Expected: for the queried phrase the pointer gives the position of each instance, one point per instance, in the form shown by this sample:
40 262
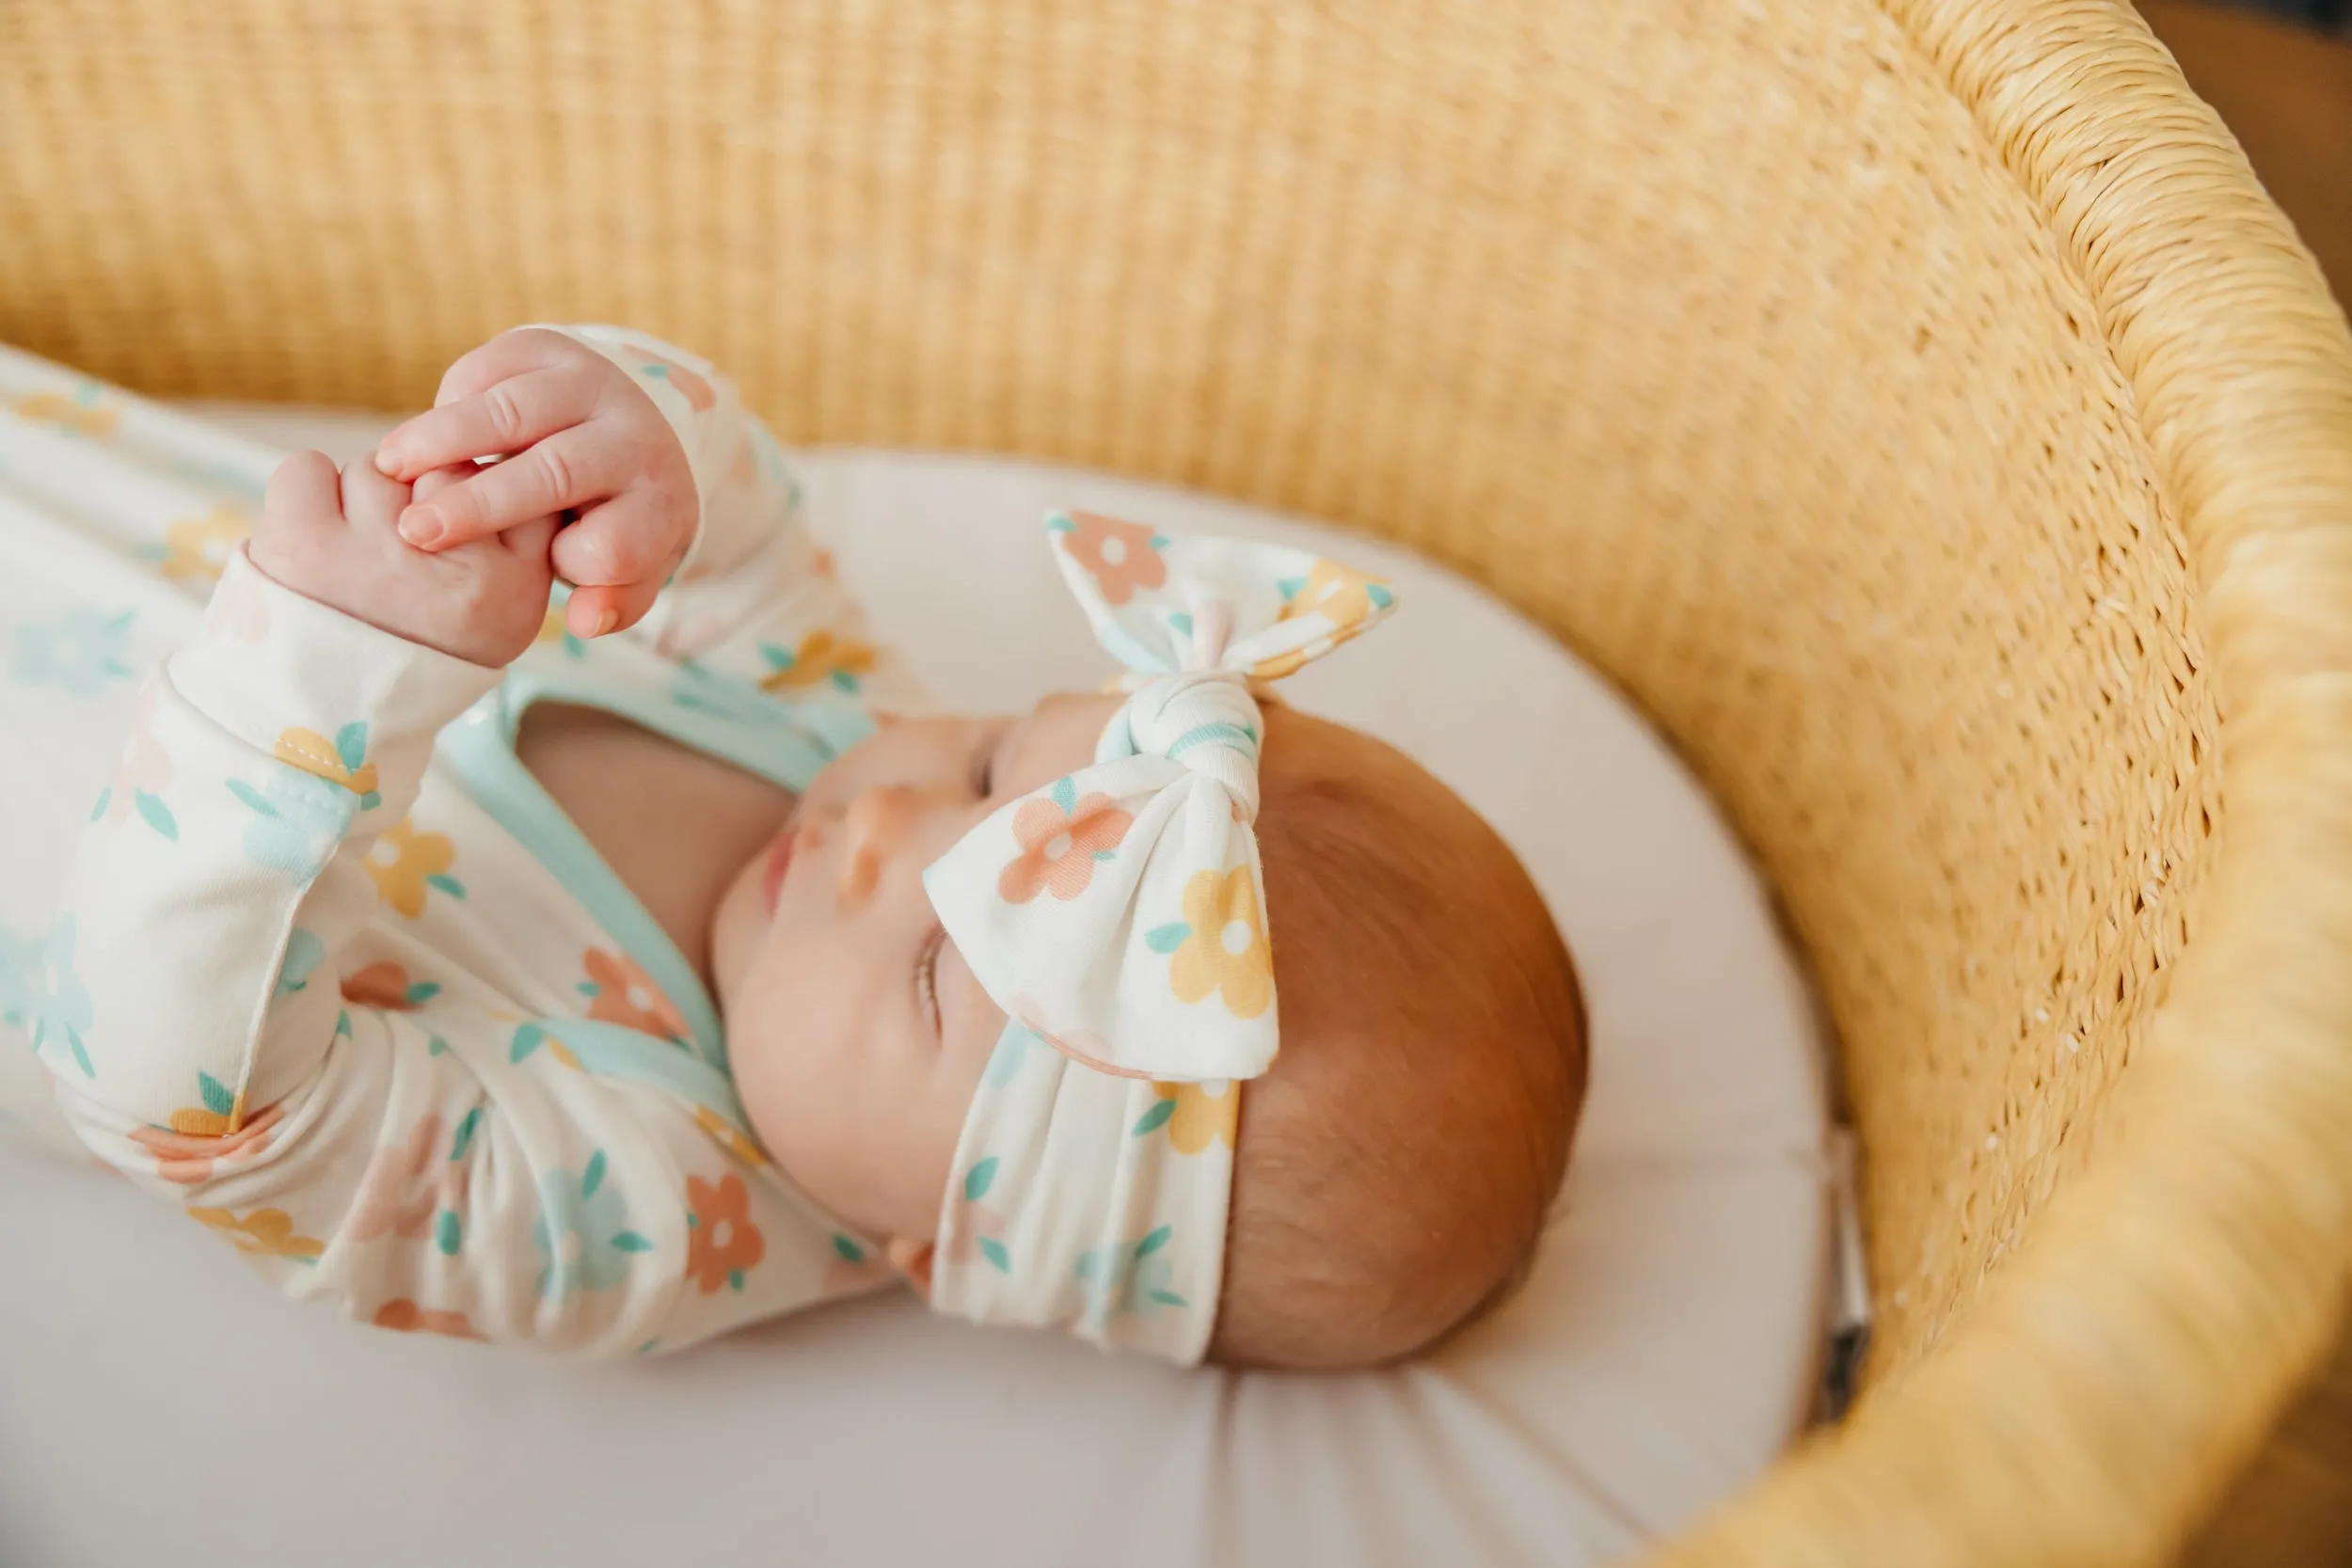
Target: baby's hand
332 538
579 435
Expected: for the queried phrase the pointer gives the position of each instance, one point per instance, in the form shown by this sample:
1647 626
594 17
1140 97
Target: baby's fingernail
420 528
606 622
384 463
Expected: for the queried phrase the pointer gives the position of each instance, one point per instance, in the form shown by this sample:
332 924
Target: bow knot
1204 721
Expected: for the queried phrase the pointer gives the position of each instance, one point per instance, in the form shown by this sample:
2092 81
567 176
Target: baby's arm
233 1022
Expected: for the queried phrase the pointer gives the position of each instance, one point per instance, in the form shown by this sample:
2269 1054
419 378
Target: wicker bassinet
1916 405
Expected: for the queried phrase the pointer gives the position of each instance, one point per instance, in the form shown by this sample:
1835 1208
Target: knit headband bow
1118 917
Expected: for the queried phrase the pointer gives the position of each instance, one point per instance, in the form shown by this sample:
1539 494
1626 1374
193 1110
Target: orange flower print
189 1158
197 550
821 657
657 367
77 416
405 1316
721 1242
1194 1117
263 1234
620 992
408 1184
405 861
339 761
1062 836
1220 944
1121 557
386 986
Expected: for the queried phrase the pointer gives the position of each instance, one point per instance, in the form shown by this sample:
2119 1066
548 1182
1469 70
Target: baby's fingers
570 469
506 417
305 488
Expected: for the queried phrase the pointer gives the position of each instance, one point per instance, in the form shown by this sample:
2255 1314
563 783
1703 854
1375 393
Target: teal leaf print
1161 540
298 818
1154 1118
343 1023
435 1046
848 1250
304 954
251 796
1065 795
584 1235
528 1039
351 744
1158 1240
447 1233
994 1250
214 1094
1381 598
1059 523
735 1280
157 815
1166 938
79 655
105 798
1167 1298
1181 622
1012 1049
447 883
593 1178
56 1008
422 993
1289 586
977 1180
465 1129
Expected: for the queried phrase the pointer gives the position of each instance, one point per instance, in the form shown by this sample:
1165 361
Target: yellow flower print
1340 594
821 657
197 548
1220 944
405 861
1195 1117
727 1137
263 1234
95 421
1345 598
337 761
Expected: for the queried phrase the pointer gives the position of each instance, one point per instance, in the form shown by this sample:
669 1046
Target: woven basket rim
2129 1357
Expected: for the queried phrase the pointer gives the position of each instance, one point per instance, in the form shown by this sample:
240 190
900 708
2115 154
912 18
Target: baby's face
855 1031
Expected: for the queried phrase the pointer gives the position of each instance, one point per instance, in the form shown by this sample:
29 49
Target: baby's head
1392 1168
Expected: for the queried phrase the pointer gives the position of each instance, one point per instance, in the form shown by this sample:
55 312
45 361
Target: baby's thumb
305 489
434 481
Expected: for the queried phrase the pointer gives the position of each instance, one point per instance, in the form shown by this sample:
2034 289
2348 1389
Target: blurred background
2280 72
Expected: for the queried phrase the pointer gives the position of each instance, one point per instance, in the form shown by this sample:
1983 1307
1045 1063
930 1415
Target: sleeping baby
608 973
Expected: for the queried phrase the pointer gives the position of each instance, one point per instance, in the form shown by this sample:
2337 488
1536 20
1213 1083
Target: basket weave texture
1916 405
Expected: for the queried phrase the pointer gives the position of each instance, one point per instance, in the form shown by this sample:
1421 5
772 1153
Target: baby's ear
912 1259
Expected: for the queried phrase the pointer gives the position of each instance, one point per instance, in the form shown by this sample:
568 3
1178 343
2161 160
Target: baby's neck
675 824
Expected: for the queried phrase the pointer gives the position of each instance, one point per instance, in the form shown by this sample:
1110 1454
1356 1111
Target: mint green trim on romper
786 743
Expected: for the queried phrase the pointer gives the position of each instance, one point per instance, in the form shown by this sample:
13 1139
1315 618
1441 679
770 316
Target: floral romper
312 956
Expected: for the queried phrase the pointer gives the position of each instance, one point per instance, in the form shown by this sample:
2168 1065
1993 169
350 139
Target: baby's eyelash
984 768
927 972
